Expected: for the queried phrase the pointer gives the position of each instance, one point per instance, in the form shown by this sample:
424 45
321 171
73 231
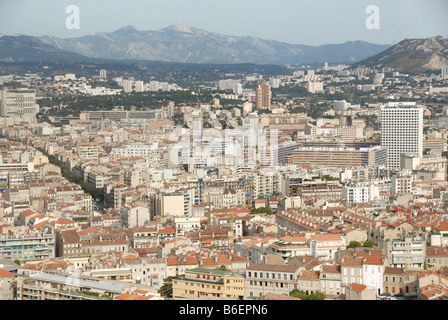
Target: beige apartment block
262 279
200 283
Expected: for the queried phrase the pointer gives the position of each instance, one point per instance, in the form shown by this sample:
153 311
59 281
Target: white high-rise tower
444 72
401 131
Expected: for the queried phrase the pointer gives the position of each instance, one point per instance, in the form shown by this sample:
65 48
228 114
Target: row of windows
270 275
268 284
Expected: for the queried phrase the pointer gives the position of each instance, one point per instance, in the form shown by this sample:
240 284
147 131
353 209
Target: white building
18 102
401 184
134 216
340 105
137 149
186 224
315 86
373 273
444 72
355 194
128 85
139 86
401 131
231 84
275 82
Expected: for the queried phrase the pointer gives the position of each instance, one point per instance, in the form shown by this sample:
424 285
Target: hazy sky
311 22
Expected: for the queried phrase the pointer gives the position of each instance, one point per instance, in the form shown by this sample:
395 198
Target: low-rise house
357 291
7 285
330 280
309 281
180 264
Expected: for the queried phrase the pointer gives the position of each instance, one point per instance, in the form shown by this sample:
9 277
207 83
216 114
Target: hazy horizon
295 22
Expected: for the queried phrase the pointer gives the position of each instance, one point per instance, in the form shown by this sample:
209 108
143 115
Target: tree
17 261
265 210
353 244
296 293
368 244
167 289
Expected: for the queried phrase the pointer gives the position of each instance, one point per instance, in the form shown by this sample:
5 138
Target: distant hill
16 48
412 55
182 43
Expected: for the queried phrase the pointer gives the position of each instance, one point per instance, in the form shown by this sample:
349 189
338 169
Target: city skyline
295 22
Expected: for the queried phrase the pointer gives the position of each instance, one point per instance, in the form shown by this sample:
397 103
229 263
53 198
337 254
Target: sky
309 22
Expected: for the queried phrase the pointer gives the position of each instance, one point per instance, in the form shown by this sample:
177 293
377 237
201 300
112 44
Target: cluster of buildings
232 204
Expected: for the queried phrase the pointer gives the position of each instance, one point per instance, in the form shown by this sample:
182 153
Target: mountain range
179 43
17 48
182 43
412 55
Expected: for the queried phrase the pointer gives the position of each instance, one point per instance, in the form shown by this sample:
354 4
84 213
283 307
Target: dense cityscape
307 181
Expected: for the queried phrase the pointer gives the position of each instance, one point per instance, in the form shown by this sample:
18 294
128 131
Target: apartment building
72 286
18 102
351 272
338 157
261 279
263 95
326 246
201 283
356 194
436 257
402 184
288 247
87 151
28 246
309 281
331 280
147 271
408 250
315 86
267 184
144 237
134 216
400 280
179 265
401 131
287 123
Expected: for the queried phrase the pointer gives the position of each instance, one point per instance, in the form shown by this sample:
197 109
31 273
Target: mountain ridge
182 43
412 55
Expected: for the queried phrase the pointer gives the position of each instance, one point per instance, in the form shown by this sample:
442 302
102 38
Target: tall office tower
263 95
18 102
445 72
103 74
401 131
